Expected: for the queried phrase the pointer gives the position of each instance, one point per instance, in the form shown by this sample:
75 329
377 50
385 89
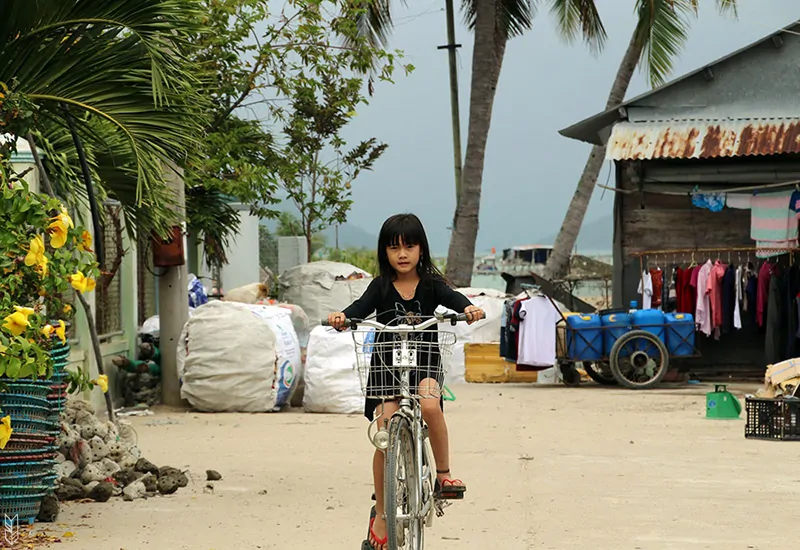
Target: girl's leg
383 413
437 427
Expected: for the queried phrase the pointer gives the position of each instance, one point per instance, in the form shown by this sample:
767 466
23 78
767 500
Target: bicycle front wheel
404 521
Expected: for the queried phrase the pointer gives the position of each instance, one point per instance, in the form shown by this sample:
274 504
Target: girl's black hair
409 229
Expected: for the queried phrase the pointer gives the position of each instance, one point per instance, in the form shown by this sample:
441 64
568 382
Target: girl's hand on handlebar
474 313
337 320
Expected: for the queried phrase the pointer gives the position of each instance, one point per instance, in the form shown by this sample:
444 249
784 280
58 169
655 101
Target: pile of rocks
100 460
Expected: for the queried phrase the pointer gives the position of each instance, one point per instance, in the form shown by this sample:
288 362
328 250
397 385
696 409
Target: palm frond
122 62
514 17
579 19
729 7
662 29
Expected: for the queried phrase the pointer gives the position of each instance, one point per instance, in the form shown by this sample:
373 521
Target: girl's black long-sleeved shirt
382 296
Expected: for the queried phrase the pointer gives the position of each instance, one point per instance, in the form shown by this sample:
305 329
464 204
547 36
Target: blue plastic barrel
615 325
584 338
651 320
680 334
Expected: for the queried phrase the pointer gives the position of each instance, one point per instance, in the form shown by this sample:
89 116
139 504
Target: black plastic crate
775 419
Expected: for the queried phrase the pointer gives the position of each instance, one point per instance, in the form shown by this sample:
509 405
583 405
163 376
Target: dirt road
550 468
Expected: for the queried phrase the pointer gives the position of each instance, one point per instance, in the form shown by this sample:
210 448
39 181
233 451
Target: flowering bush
44 256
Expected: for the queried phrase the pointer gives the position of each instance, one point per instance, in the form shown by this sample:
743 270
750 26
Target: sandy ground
550 468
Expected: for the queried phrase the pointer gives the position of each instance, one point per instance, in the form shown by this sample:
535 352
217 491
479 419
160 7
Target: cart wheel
639 360
570 376
600 372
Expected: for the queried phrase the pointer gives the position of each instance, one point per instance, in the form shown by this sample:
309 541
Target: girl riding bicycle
411 286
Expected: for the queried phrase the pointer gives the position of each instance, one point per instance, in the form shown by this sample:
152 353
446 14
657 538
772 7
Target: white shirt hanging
537 336
646 290
737 315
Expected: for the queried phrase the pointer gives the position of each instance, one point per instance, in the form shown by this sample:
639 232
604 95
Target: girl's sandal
449 489
367 544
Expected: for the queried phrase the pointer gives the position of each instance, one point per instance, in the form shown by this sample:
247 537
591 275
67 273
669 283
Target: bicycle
409 496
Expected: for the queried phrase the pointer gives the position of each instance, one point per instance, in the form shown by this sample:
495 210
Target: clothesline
703 191
710 250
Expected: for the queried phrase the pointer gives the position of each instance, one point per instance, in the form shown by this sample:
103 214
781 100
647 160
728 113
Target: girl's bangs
405 230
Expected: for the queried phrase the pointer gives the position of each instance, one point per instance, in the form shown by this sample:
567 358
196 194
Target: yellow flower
102 381
35 254
78 281
58 234
67 309
17 322
61 332
59 228
5 431
85 244
42 268
48 330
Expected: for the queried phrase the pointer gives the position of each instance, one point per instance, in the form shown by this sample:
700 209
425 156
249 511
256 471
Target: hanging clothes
764 277
741 201
657 281
775 338
505 318
750 291
714 289
537 338
729 301
739 297
793 289
703 318
646 290
686 293
772 223
512 334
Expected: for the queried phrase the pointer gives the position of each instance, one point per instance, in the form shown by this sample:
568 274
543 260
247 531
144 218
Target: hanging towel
773 224
741 201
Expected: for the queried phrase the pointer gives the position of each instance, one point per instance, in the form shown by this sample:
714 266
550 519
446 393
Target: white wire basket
380 362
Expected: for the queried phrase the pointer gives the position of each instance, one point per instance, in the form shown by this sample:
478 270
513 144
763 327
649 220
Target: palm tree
661 31
494 22
121 69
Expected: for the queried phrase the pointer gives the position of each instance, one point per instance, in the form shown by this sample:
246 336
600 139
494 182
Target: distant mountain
350 236
595 236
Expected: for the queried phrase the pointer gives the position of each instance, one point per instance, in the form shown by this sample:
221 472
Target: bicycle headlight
381 440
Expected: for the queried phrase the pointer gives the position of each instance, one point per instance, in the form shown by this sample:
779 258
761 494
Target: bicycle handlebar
436 319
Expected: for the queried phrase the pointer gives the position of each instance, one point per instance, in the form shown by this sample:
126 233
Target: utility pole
451 48
173 303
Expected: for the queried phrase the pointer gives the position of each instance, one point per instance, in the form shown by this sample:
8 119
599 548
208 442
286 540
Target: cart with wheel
635 356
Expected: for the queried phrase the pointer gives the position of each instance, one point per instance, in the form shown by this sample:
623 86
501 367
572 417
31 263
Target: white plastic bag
484 331
287 350
230 360
332 383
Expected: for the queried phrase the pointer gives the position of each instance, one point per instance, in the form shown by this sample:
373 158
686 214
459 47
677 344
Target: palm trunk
558 263
487 60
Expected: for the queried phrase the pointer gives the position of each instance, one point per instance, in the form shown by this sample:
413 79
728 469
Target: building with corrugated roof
733 124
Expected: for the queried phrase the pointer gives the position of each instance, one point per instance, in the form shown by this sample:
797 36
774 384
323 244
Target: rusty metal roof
702 139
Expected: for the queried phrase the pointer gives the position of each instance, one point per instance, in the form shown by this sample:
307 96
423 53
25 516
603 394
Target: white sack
287 350
230 360
485 331
313 287
332 383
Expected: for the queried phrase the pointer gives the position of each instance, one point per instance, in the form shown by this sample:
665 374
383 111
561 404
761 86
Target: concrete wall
243 268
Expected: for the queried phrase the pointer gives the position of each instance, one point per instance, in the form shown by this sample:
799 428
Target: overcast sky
546 85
